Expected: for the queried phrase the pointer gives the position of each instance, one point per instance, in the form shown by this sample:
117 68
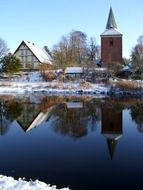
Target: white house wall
27 58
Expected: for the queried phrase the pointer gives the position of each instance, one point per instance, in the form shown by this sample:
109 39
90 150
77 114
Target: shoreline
68 88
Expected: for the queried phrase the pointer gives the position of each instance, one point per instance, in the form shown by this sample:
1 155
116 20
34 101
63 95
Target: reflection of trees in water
92 112
9 111
4 124
69 121
74 121
50 101
14 110
137 115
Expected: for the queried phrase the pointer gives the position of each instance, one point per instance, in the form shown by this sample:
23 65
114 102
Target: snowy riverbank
113 88
32 83
53 88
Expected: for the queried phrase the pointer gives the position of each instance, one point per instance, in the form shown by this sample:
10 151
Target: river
83 143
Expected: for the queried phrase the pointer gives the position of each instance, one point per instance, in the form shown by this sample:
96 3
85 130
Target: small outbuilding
74 72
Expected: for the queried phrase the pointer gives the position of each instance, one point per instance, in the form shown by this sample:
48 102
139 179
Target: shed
76 72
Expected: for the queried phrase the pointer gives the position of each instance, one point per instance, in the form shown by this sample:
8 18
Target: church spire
111 146
111 23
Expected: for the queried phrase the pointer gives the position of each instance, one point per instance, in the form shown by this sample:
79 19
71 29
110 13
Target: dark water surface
83 143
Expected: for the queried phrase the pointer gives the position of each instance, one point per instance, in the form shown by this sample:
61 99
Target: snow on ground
28 76
9 183
32 83
29 83
54 87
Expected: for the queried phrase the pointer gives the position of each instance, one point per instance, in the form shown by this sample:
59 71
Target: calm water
83 143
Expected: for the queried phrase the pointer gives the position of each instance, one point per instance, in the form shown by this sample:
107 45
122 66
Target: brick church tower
111 42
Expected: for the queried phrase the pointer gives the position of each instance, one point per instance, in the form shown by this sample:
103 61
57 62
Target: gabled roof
40 53
111 23
36 120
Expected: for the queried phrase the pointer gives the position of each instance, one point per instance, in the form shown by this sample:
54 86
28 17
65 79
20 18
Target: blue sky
44 22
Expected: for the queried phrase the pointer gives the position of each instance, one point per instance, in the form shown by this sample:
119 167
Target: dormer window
111 42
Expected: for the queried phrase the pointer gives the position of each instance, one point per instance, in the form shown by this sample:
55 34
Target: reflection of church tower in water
111 127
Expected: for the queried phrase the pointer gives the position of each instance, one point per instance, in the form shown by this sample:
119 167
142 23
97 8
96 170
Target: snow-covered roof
74 70
112 136
128 67
42 116
40 53
103 69
110 32
39 119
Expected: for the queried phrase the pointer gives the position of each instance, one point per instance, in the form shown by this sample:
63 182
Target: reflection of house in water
32 116
29 116
111 127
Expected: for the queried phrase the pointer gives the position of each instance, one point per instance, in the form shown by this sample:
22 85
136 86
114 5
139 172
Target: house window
21 52
23 59
111 42
25 52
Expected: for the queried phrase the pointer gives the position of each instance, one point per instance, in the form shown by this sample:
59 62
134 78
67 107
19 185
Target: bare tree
3 48
78 47
62 53
93 51
71 50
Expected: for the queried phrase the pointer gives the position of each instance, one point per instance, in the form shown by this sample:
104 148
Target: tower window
111 42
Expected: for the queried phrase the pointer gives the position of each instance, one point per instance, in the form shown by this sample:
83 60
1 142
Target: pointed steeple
111 146
111 23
